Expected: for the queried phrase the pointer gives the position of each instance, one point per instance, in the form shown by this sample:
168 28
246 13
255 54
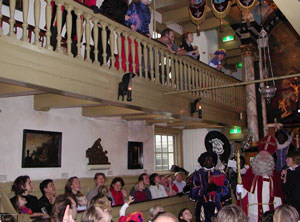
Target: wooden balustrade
147 58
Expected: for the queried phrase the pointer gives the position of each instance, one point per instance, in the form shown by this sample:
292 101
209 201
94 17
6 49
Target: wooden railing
147 58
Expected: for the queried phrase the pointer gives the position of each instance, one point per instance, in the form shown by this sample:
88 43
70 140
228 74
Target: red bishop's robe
260 194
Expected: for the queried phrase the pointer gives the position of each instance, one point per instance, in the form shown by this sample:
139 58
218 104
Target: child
82 201
185 215
20 205
138 17
134 217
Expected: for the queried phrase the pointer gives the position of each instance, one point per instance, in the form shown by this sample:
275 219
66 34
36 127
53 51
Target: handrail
149 59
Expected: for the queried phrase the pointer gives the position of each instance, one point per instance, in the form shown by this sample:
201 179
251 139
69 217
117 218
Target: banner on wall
246 6
220 8
197 12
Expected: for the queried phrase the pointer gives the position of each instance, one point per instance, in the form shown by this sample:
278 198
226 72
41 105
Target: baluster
104 42
173 72
69 29
185 75
78 33
37 15
198 80
133 54
96 36
193 79
156 63
12 7
25 17
163 65
59 24
48 24
1 32
146 60
181 74
177 73
88 38
126 42
119 49
140 57
151 62
168 69
189 83
112 46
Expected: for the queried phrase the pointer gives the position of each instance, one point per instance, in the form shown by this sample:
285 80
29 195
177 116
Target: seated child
185 215
82 201
20 205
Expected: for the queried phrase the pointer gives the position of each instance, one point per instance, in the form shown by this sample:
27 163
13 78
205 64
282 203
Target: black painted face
208 162
281 138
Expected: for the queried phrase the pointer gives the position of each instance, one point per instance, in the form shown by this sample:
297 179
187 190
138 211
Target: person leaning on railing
167 38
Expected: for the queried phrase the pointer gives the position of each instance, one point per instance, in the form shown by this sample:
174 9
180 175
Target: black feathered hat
218 143
213 155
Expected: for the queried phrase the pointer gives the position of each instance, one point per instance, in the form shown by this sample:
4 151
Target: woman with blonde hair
286 213
95 213
231 213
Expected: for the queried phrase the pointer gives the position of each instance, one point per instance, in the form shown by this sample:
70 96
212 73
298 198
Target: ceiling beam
154 121
45 102
145 117
108 111
8 90
208 24
175 16
165 3
193 124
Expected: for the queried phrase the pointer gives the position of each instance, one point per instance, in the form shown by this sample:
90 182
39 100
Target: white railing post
104 42
25 17
37 15
78 33
59 4
69 29
48 24
96 42
1 32
88 37
12 8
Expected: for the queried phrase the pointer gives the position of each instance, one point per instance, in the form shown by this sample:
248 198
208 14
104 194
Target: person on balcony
116 192
217 61
48 191
156 189
187 40
115 10
167 38
138 17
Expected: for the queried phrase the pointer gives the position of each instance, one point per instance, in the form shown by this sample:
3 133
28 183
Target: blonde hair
92 214
155 210
231 213
286 213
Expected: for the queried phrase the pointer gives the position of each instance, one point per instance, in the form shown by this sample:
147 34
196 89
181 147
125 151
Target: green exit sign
240 65
235 130
228 38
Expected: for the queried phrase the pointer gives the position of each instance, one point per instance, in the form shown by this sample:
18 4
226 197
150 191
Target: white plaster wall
193 146
78 134
207 44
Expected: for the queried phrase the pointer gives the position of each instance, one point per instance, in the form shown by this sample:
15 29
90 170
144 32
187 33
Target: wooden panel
108 111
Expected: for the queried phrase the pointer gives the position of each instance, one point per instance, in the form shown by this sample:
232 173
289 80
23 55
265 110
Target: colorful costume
282 150
209 186
261 184
140 16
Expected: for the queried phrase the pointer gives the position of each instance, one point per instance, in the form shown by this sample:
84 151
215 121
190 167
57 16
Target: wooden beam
108 111
193 124
165 3
144 117
151 122
8 90
175 16
208 24
45 102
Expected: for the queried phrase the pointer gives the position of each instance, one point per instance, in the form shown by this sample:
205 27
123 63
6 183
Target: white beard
263 164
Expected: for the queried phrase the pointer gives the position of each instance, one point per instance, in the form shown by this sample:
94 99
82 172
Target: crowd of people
137 17
263 190
101 198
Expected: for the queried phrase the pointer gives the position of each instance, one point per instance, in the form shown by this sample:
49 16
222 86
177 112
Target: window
164 152
167 150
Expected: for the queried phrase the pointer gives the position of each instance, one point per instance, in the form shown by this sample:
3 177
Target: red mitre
268 143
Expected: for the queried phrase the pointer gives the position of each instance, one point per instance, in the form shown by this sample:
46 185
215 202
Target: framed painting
41 149
135 155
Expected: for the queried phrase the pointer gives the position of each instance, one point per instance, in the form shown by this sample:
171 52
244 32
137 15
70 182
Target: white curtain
193 146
